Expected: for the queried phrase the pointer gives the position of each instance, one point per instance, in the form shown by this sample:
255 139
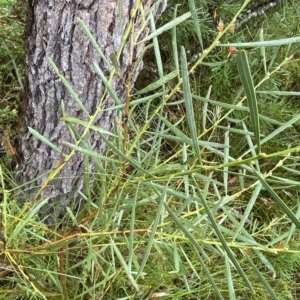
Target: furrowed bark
53 33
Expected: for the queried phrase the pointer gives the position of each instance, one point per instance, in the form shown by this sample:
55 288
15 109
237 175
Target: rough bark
54 33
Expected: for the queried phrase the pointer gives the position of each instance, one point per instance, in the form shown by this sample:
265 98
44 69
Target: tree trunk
54 33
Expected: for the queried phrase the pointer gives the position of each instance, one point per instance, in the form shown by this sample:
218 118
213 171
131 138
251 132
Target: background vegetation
202 202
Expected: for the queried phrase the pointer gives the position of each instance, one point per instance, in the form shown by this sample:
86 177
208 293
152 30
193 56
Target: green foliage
202 201
12 21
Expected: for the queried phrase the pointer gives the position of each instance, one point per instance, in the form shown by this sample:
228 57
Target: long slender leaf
229 279
166 27
248 209
279 93
252 148
84 123
157 51
123 263
197 246
226 159
277 131
236 107
69 88
121 154
93 40
293 227
278 200
189 103
193 11
263 50
205 108
221 238
157 84
30 215
131 235
153 232
107 84
245 74
174 41
261 277
43 139
264 43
